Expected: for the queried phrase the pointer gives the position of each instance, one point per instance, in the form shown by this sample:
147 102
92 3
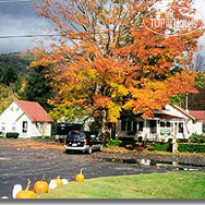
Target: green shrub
53 136
195 138
115 143
198 148
12 135
192 148
162 147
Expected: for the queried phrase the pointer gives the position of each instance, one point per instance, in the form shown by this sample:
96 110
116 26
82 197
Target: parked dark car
87 142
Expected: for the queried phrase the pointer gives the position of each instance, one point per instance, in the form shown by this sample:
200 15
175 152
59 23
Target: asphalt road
19 162
16 166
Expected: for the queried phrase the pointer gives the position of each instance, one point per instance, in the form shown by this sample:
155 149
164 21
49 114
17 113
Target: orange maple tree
106 60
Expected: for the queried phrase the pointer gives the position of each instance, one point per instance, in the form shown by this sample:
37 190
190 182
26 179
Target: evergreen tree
38 87
9 76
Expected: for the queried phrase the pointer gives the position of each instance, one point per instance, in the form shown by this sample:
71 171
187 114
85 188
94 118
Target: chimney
187 102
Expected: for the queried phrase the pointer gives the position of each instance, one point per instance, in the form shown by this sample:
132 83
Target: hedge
12 135
191 148
115 142
181 147
162 147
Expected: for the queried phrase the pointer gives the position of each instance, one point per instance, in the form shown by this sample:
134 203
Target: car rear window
78 136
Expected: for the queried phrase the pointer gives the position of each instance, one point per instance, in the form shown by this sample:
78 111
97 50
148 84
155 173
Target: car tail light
85 142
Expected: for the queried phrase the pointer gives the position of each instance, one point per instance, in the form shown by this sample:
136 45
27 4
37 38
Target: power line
31 36
69 35
51 35
15 1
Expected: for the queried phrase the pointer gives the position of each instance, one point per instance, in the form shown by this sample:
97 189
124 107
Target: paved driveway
18 164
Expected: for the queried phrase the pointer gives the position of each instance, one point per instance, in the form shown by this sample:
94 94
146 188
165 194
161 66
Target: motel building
172 119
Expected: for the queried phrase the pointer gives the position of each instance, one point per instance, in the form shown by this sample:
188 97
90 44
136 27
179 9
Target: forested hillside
17 61
18 80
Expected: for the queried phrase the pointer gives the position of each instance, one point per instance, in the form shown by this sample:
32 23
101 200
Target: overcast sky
18 18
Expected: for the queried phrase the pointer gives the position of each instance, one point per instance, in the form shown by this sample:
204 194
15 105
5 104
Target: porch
158 129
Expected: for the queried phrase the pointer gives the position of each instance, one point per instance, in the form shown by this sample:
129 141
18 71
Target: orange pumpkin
41 187
79 177
26 194
59 181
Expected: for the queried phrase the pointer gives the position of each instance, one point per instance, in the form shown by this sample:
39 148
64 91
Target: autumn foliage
106 60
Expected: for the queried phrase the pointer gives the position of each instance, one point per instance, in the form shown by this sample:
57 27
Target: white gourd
52 184
17 188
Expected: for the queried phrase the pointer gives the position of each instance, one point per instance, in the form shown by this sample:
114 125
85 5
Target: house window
3 126
203 128
141 125
180 127
12 109
13 126
25 126
153 126
37 125
162 124
168 124
123 125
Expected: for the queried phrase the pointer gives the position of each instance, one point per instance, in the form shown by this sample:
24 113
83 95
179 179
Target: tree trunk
44 130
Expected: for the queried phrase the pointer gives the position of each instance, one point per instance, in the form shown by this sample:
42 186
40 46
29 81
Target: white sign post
174 142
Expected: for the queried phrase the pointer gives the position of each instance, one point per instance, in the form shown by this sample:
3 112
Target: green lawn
175 185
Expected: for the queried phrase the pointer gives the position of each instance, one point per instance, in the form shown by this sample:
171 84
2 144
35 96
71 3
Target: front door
153 129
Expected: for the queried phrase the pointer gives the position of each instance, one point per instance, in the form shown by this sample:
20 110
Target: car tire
67 151
90 150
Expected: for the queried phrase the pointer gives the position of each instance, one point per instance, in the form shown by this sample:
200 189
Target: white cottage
161 126
26 118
